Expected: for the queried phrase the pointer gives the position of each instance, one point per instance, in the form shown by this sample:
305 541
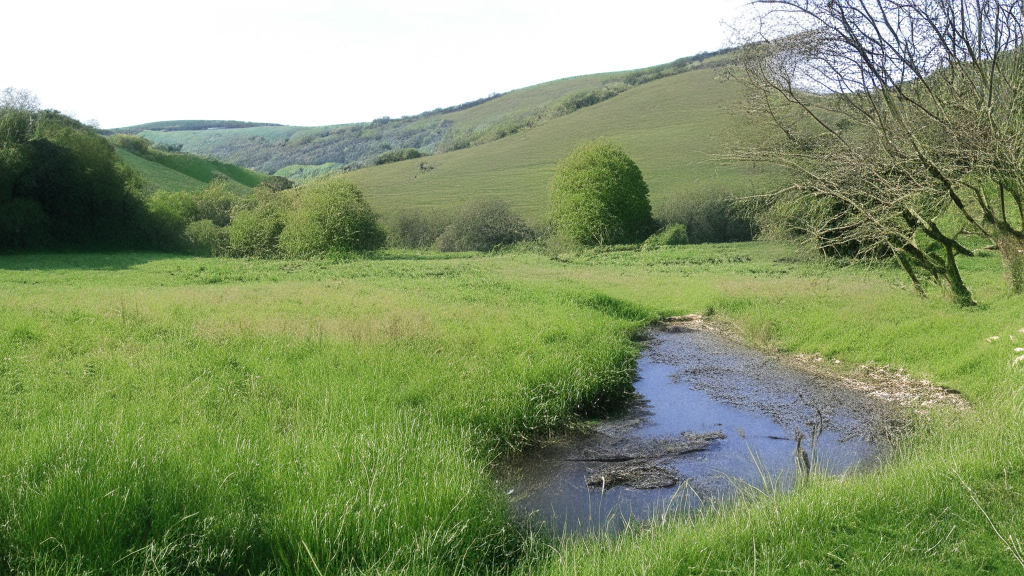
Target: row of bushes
61 185
481 225
324 216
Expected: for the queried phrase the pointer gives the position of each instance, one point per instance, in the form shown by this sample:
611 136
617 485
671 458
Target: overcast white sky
315 62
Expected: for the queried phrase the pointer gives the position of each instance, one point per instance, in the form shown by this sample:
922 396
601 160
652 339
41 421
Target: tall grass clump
330 215
598 196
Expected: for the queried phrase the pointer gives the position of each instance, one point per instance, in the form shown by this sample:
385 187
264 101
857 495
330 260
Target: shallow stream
708 416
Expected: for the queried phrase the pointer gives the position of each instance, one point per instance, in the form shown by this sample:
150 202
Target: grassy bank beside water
182 415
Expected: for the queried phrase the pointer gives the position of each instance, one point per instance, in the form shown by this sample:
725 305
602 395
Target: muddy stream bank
708 415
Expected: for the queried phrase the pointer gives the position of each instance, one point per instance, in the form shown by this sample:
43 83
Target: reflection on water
693 383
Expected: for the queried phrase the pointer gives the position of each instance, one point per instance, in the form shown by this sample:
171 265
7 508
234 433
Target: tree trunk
961 294
1012 251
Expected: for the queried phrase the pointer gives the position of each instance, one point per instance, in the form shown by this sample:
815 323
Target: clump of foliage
416 229
484 225
205 238
709 218
61 184
276 184
397 156
598 196
177 212
135 144
575 101
671 235
256 226
170 148
330 215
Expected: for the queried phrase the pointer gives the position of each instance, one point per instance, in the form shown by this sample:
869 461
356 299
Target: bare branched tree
903 123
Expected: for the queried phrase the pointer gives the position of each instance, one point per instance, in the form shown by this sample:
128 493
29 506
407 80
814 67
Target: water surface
712 414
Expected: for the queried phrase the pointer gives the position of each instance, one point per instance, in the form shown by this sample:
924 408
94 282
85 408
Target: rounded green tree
598 196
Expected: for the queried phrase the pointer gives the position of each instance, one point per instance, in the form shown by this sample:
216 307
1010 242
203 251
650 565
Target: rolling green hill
173 172
157 176
175 125
272 148
671 128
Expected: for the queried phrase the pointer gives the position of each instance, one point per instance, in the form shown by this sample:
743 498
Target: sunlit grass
181 415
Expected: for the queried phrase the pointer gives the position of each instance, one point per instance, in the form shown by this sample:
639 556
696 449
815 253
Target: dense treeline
61 185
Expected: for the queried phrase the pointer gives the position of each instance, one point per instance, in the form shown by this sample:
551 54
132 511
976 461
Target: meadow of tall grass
165 414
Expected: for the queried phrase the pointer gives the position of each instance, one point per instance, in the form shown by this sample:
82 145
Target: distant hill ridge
184 125
300 151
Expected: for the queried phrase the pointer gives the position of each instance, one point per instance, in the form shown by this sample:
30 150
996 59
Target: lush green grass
671 128
223 415
170 414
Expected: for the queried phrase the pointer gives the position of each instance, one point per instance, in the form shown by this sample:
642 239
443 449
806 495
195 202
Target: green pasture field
672 128
166 414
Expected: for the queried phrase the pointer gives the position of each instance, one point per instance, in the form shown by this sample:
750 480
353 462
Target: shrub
577 100
484 225
16 125
90 199
168 211
169 148
276 184
671 235
205 238
598 196
397 156
329 214
135 144
416 229
708 218
213 203
256 227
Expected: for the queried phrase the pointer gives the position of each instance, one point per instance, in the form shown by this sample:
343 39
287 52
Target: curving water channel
709 415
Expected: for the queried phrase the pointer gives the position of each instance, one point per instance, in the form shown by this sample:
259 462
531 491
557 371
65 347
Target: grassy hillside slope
175 172
670 127
272 148
157 176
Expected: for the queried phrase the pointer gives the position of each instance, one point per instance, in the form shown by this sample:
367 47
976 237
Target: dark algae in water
708 415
